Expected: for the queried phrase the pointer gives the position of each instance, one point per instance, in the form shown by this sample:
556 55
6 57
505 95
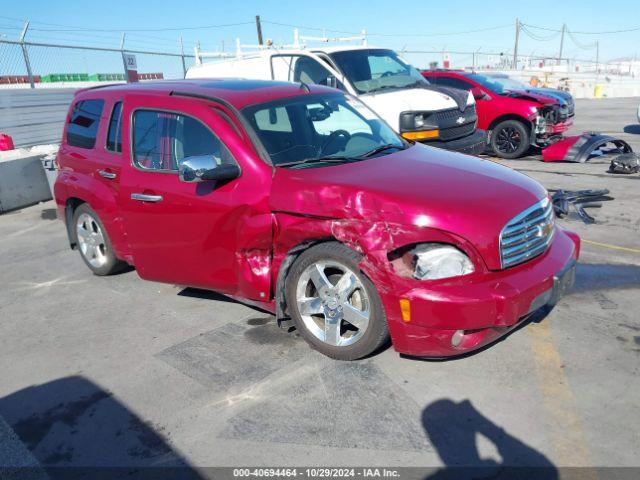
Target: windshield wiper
328 159
379 149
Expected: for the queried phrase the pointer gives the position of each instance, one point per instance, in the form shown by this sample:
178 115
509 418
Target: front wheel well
510 116
282 315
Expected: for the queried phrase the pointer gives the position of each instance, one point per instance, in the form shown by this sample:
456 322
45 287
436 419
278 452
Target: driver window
162 139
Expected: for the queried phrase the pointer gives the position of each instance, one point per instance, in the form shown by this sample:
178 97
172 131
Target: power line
370 34
603 32
67 28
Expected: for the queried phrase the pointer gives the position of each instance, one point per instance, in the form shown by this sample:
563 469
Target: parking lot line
566 428
612 247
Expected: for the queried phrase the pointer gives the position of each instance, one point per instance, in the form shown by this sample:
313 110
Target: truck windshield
372 70
498 84
320 129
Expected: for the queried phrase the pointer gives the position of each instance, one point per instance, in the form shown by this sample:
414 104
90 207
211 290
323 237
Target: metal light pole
25 54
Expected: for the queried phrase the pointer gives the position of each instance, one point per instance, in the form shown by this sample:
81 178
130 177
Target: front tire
334 306
93 242
510 139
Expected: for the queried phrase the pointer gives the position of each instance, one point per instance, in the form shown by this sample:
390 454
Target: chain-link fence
40 65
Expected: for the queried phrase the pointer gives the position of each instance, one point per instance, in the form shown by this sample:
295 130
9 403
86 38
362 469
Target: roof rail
299 43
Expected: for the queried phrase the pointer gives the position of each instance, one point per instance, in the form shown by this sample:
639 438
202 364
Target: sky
428 25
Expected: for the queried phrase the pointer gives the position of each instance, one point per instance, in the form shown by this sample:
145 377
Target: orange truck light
421 135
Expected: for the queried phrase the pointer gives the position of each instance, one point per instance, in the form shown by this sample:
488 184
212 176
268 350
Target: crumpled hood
419 187
533 97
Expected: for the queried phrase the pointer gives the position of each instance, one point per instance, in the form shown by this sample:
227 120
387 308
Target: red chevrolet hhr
300 200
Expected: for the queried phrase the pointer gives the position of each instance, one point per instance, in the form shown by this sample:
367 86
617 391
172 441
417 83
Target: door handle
105 174
142 197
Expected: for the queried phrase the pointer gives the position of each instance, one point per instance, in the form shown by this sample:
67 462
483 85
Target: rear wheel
93 242
334 306
510 139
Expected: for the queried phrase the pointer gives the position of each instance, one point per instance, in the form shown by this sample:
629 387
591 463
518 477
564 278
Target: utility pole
259 29
184 66
564 27
597 55
515 47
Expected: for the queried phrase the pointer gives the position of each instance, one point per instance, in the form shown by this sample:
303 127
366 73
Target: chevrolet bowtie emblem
460 120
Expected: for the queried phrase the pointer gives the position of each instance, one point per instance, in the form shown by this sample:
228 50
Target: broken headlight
540 124
437 260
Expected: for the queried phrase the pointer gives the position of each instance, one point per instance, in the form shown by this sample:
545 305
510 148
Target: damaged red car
515 119
298 199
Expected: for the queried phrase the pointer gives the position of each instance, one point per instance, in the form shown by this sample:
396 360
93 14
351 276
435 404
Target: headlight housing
437 260
431 261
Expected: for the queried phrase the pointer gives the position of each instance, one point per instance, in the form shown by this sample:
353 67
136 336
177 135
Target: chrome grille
527 235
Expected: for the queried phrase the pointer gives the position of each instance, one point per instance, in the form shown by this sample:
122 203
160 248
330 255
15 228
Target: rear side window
162 139
114 135
83 123
454 82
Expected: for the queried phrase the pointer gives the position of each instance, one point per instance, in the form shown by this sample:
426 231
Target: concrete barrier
23 182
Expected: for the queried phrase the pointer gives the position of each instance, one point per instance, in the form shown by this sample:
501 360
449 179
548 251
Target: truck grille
457 132
527 235
449 128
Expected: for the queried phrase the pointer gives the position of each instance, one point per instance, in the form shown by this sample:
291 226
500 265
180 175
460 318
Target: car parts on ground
580 148
625 163
564 200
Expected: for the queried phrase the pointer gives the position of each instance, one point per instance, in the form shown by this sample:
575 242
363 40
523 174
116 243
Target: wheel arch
71 204
510 116
282 315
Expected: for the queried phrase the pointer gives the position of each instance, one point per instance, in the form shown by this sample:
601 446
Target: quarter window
162 139
82 129
114 135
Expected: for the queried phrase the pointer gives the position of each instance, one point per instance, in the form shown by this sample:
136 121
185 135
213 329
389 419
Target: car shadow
73 428
453 429
634 129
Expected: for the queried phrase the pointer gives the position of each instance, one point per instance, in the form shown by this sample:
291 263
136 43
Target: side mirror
332 81
478 94
204 167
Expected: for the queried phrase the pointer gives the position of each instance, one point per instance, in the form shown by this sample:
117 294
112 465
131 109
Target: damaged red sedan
300 200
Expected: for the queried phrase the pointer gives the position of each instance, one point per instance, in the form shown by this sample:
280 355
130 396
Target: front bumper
485 307
473 144
553 130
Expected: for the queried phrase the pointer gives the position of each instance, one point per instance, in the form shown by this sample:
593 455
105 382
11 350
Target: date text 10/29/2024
316 472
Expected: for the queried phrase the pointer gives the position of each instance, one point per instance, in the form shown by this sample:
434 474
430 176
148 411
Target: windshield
376 69
320 128
497 84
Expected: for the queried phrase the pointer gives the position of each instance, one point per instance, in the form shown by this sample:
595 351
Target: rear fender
101 199
578 148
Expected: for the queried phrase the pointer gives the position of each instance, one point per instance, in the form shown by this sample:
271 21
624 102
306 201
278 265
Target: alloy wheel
333 303
508 140
91 240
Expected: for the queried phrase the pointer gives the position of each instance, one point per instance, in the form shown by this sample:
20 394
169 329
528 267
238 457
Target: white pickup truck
438 116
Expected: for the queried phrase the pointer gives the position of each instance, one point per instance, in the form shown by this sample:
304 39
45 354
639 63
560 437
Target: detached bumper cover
579 148
485 307
473 144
